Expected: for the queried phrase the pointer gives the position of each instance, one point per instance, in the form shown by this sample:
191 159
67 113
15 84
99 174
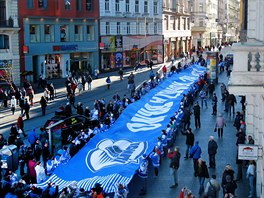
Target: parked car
69 127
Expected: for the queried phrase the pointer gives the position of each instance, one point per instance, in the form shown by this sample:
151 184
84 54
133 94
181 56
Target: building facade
176 28
231 22
205 31
58 37
130 33
9 45
247 78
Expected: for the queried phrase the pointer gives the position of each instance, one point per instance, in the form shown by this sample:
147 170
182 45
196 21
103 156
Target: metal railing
7 23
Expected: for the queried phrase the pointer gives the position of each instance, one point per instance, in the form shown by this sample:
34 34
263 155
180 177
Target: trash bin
13 149
6 158
9 157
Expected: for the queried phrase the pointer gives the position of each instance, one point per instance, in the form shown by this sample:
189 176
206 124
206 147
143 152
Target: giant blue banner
112 157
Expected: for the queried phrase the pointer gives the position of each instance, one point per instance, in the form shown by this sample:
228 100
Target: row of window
80 33
129 26
128 6
181 23
43 4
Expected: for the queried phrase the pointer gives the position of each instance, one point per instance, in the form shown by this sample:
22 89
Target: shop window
30 4
49 33
90 32
89 5
67 4
64 36
34 33
4 41
78 33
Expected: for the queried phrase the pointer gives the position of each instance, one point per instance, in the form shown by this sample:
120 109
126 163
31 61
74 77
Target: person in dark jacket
196 113
43 103
68 110
237 121
214 104
212 150
227 172
231 100
189 141
174 156
79 108
26 108
186 119
202 173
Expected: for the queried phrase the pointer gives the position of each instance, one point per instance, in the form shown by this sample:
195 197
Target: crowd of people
39 163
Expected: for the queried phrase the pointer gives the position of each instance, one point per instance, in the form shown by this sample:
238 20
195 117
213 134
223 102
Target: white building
130 32
176 28
205 21
9 44
247 79
231 21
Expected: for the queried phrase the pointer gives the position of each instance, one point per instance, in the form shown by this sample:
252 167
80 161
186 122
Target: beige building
247 79
231 20
205 21
9 45
176 28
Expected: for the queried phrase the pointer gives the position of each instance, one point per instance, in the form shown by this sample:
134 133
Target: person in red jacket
20 124
164 71
31 170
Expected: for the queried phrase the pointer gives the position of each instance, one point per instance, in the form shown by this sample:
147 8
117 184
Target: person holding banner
142 173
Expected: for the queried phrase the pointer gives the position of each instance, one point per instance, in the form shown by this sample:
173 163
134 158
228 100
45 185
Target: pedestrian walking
203 97
83 81
189 141
121 73
20 125
220 124
164 71
196 112
43 103
214 104
251 174
195 153
174 157
26 108
108 82
212 150
21 104
89 81
13 104
46 94
231 100
186 119
22 158
202 173
212 188
142 173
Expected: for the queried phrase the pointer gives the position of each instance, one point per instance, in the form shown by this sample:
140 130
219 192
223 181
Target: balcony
248 70
7 23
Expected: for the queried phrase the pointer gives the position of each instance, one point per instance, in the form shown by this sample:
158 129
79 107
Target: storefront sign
101 45
65 47
25 49
118 42
247 152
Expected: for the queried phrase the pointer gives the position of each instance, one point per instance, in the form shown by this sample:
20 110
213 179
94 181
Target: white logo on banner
108 153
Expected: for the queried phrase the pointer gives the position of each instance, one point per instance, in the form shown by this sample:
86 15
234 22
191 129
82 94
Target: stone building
247 77
9 45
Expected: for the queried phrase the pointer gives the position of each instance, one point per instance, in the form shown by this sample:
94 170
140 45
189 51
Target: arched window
4 41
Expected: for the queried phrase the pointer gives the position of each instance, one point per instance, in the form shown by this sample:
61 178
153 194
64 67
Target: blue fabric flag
113 157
